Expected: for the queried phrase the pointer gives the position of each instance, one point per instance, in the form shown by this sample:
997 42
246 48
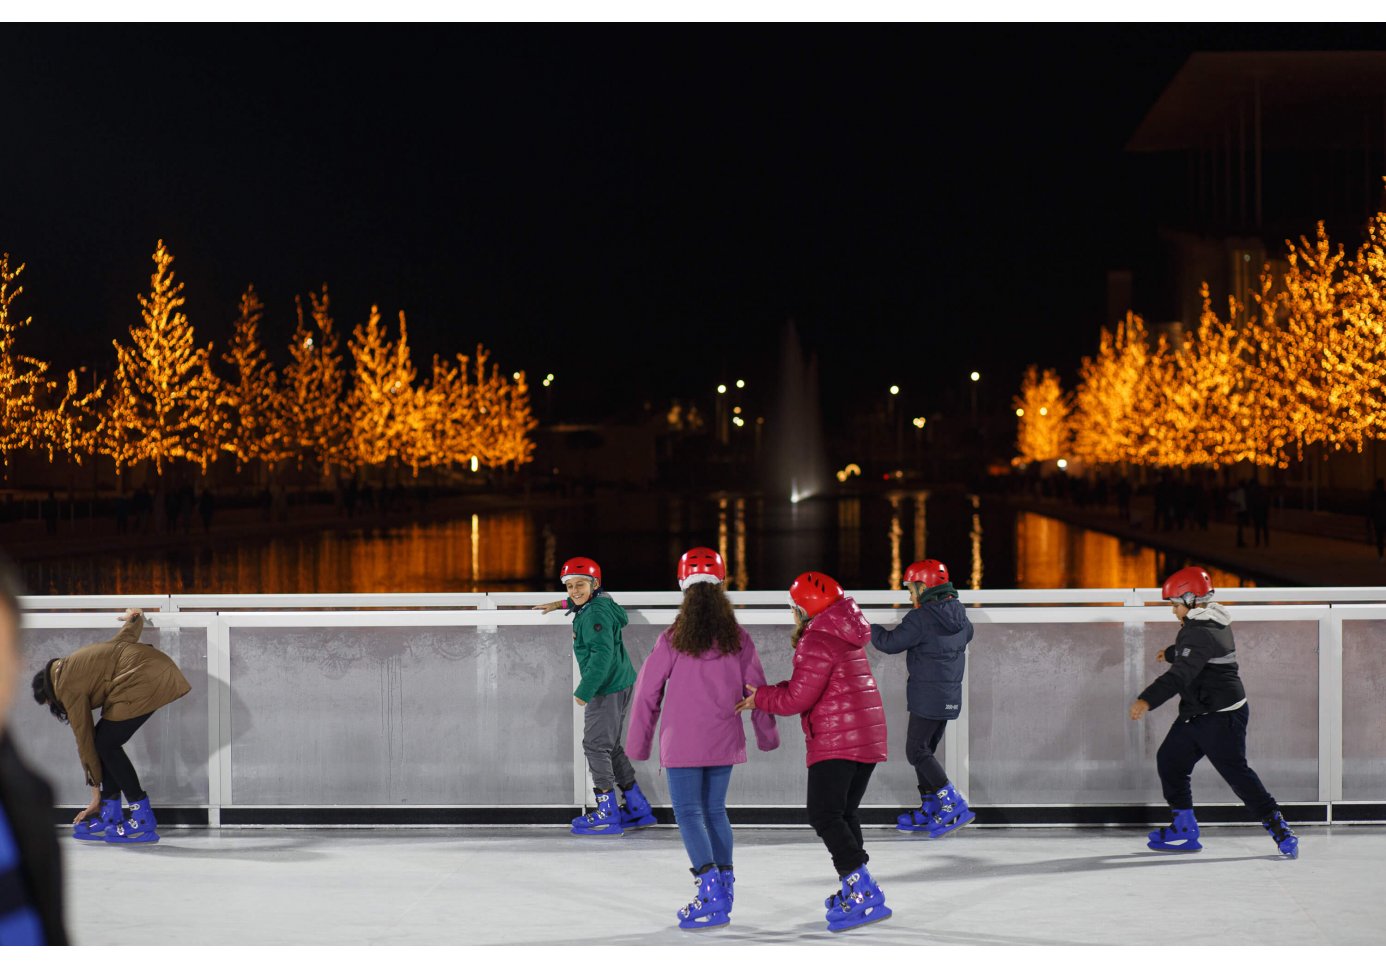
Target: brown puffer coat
124 678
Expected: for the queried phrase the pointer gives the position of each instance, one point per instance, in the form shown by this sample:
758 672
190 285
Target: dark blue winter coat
934 637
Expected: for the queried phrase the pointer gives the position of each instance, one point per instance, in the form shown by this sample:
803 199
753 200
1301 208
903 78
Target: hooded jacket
833 690
601 655
124 678
695 697
934 638
1203 671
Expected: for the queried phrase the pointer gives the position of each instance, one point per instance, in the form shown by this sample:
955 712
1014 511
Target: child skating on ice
1213 715
604 691
934 637
834 693
691 684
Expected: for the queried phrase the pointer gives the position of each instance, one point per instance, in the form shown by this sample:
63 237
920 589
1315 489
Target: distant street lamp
741 384
894 390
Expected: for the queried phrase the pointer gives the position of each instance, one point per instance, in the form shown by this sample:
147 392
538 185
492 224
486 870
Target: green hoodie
601 656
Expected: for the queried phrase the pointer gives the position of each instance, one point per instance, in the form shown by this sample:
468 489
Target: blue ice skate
1285 838
728 884
861 901
917 821
605 820
1180 835
141 828
953 813
636 812
95 829
711 908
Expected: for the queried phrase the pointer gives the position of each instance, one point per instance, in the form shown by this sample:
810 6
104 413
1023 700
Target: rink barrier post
218 718
1331 709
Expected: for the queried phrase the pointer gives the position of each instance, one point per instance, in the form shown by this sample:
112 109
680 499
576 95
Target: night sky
638 210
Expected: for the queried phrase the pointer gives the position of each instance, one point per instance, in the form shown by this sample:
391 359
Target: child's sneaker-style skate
636 812
1285 838
604 821
141 828
95 829
711 907
917 821
953 812
861 901
1180 835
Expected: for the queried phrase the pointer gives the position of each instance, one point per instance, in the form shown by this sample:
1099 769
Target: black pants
1222 738
921 742
835 789
117 772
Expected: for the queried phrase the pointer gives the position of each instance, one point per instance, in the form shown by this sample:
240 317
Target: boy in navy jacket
934 637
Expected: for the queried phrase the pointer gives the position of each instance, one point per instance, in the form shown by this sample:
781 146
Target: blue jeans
700 807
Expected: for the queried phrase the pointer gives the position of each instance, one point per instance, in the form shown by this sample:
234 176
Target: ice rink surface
544 886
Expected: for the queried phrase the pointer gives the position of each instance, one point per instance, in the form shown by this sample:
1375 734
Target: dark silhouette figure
1376 514
50 513
1237 498
1258 506
206 507
122 514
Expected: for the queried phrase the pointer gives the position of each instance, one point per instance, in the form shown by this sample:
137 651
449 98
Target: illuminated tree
1364 317
165 397
254 427
1113 408
23 421
79 424
1042 414
504 418
313 424
382 403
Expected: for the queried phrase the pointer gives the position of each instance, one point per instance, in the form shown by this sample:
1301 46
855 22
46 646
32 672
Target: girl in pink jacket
695 677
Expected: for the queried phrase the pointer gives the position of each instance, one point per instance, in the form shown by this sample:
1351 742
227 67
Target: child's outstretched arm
812 668
1188 657
905 636
648 699
753 674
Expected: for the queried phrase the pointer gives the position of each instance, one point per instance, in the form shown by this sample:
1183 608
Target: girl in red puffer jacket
834 692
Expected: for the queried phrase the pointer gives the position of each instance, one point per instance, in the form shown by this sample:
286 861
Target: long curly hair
44 694
706 621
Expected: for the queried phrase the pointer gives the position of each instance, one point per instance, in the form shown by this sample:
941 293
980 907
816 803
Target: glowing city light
1062 463
721 388
974 376
741 384
894 390
1020 411
919 422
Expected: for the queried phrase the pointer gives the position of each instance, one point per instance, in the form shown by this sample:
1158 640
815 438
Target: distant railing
456 707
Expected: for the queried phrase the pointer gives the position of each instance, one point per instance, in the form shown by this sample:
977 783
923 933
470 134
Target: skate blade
949 829
1171 849
597 833
640 824
122 842
880 914
701 925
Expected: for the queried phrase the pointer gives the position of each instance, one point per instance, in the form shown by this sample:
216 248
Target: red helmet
581 568
814 591
930 571
1188 586
701 564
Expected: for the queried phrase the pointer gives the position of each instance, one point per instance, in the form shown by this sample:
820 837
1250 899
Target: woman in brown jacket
128 681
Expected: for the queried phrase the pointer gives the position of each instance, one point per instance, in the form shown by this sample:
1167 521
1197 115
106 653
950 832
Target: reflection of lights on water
976 541
476 550
722 528
921 528
739 527
895 532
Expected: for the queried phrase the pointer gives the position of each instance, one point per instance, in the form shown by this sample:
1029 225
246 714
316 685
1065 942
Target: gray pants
603 722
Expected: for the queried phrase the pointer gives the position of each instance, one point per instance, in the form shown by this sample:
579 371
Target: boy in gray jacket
934 636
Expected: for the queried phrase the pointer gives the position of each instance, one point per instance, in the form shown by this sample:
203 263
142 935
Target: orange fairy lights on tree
382 402
1112 408
253 426
312 422
1042 412
164 399
23 421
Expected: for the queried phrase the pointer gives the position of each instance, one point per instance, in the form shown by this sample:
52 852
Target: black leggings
835 789
117 772
1222 738
921 742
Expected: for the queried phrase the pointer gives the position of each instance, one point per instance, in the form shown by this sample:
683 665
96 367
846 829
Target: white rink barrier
457 708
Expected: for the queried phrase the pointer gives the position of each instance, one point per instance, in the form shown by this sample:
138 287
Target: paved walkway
1291 557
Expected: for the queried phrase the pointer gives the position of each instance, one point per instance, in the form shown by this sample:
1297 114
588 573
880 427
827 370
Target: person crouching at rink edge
934 637
1213 714
604 691
128 681
835 694
694 678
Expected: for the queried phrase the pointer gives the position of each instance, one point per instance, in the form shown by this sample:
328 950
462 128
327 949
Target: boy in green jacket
605 693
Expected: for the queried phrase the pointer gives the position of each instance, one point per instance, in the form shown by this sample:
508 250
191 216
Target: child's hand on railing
548 607
130 613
